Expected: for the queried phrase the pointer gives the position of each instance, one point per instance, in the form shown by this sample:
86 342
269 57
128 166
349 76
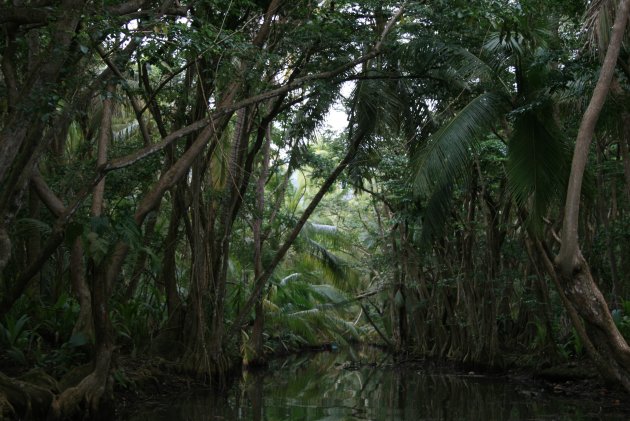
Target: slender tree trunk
139 265
96 389
34 241
573 271
257 330
224 232
85 322
169 278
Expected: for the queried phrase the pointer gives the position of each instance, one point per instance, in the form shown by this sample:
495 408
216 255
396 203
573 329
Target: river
332 386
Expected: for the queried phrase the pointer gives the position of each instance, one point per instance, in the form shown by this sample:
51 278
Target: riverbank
157 385
575 379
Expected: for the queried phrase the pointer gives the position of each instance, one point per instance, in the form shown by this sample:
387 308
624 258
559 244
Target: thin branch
228 109
134 101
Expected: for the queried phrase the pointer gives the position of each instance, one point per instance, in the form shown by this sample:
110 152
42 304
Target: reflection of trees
322 387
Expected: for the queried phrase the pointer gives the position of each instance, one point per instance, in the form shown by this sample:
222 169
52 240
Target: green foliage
58 319
300 309
103 233
465 117
448 154
59 360
621 318
537 164
136 320
45 337
15 338
447 159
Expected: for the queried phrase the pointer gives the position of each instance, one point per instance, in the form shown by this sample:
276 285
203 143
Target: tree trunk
94 394
85 322
169 278
197 358
572 270
21 139
257 330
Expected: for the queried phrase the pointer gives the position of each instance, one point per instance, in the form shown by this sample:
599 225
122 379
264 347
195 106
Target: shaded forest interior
170 187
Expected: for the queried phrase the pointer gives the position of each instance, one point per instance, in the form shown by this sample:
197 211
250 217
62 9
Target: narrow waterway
330 386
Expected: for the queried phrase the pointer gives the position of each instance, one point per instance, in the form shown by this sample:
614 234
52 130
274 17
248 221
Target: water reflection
325 387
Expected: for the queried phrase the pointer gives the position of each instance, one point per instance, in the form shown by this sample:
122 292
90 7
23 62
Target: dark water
322 387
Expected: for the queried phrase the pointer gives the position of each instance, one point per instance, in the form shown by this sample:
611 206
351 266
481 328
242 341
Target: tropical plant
16 338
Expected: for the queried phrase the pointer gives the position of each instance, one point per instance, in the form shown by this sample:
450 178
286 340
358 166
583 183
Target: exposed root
89 396
6 409
24 399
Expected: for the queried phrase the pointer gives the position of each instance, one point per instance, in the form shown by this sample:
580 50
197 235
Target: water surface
330 386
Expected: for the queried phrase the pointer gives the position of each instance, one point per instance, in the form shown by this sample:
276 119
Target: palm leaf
445 157
598 21
436 213
377 109
537 165
329 293
470 68
270 307
29 226
284 281
421 54
326 234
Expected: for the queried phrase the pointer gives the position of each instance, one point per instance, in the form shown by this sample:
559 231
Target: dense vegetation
168 186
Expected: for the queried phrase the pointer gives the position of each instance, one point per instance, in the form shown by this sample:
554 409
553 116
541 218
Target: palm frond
598 21
28 226
315 326
377 110
327 235
292 277
421 54
270 307
512 44
377 103
312 113
335 270
538 162
329 293
436 213
575 94
300 323
470 68
444 158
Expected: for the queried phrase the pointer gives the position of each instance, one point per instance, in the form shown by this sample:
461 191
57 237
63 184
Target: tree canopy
168 184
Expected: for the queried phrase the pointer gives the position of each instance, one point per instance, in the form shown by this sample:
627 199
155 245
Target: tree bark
257 329
21 140
573 272
95 390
